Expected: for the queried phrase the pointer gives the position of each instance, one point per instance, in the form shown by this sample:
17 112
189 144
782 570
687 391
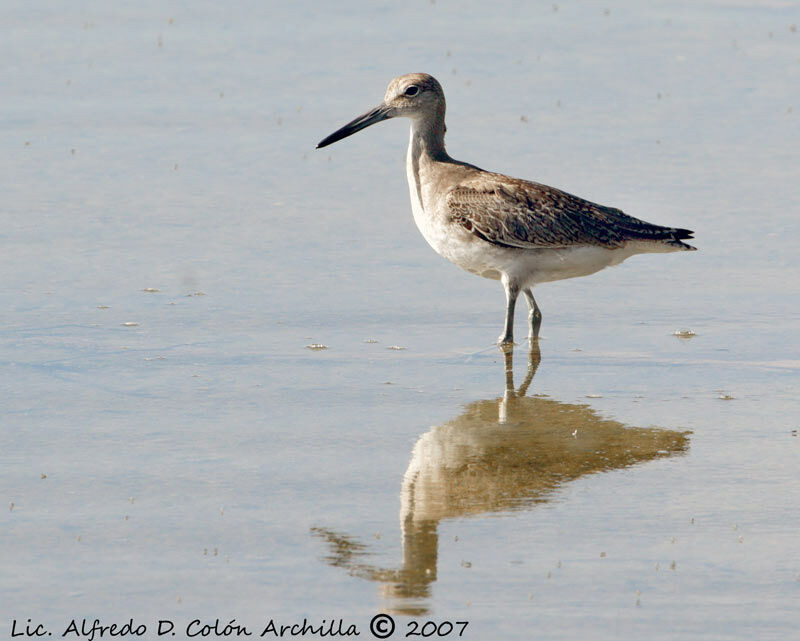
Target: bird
519 232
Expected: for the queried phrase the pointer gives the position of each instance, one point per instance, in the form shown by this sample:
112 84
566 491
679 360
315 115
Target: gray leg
512 291
534 317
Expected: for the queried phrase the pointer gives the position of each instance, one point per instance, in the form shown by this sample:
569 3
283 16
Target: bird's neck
427 139
425 149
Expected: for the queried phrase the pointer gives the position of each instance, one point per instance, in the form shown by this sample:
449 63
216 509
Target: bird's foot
535 323
505 340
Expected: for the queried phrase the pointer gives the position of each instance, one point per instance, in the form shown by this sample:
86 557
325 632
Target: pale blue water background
188 457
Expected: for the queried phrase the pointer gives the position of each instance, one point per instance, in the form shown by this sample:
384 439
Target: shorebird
516 231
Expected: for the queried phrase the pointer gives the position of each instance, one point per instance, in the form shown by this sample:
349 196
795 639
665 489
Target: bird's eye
413 90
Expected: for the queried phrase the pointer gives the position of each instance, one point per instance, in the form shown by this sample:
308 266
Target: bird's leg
512 291
534 317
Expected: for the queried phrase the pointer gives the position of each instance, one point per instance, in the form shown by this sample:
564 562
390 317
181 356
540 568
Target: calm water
172 243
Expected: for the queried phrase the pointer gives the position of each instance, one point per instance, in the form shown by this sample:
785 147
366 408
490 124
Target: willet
515 231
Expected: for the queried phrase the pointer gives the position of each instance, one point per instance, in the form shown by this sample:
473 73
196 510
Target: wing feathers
517 213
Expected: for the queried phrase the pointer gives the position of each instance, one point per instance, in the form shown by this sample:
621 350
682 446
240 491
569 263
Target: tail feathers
681 234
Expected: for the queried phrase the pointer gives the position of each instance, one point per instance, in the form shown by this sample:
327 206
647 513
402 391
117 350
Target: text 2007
431 628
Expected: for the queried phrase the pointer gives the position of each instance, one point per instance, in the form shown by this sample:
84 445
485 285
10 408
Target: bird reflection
504 454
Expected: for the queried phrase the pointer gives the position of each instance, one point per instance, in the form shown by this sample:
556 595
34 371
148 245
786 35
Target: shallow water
182 453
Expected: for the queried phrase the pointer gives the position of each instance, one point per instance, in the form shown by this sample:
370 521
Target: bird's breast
431 215
423 204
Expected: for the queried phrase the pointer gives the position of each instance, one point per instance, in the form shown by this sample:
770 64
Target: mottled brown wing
517 213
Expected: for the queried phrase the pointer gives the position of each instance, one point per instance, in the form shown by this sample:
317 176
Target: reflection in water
498 455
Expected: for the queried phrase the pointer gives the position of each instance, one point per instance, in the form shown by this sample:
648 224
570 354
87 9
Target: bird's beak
381 112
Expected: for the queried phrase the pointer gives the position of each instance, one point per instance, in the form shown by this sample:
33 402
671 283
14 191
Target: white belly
528 266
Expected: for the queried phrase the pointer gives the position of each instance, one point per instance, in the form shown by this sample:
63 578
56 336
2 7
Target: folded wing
522 214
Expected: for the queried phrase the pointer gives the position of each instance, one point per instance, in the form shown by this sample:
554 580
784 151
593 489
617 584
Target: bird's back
510 212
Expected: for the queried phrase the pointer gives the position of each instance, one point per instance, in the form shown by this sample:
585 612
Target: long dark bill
381 112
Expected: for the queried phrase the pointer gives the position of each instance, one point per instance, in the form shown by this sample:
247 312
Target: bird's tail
681 234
